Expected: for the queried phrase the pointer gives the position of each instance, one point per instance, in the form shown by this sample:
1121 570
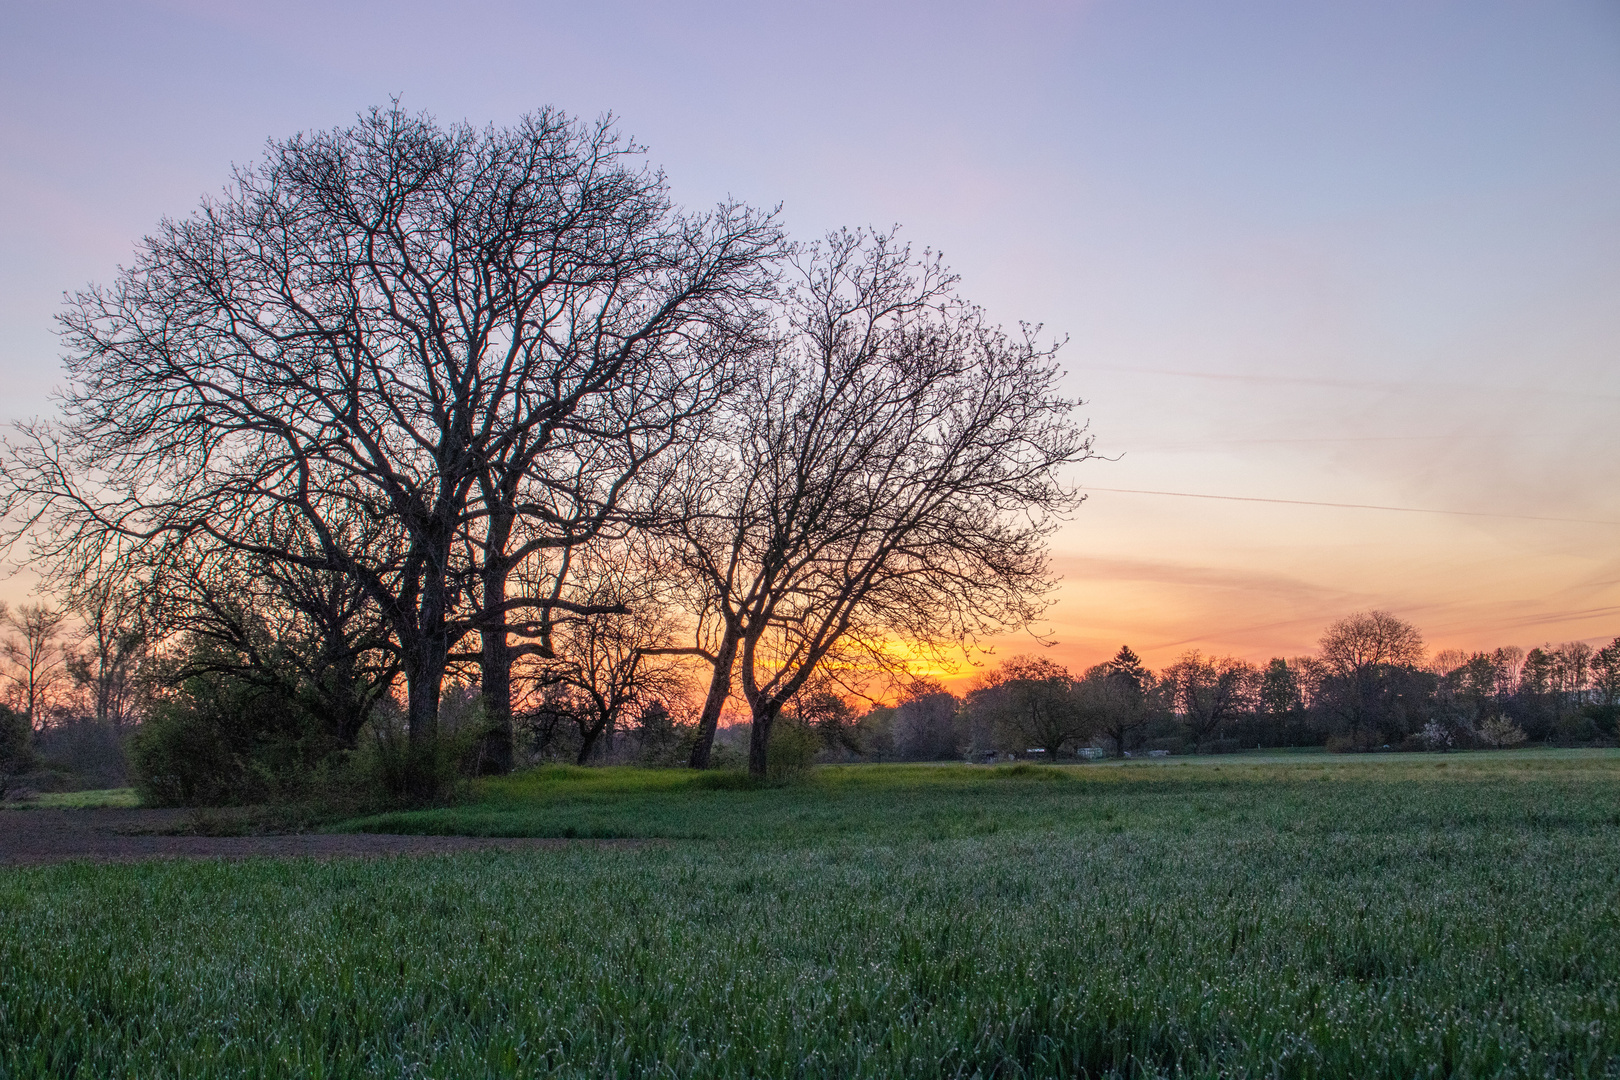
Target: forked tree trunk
588 736
719 690
426 656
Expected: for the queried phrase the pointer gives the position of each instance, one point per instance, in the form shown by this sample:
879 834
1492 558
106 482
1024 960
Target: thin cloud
1355 506
1087 568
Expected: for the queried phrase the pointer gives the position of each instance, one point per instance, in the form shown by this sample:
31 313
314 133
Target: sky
1356 252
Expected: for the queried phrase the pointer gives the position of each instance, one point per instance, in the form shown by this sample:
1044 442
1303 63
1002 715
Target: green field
1398 916
79 800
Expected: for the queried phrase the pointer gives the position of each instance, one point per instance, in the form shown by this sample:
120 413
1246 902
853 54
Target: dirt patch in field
32 837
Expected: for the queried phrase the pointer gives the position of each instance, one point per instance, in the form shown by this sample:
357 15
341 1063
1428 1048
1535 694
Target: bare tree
1571 675
1368 659
925 726
1606 675
365 324
112 641
1363 641
36 662
889 475
605 669
1281 692
1209 691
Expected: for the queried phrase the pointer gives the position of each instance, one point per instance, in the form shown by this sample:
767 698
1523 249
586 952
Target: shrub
184 755
793 747
223 740
390 770
95 754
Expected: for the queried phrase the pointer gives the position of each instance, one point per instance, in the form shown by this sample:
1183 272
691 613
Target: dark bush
793 748
216 742
16 742
230 735
389 770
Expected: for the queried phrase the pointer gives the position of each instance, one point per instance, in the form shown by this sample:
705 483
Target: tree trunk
424 679
588 736
425 661
347 704
759 740
719 691
495 755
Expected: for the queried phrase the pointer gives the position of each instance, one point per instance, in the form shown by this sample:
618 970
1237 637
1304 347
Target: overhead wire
1355 506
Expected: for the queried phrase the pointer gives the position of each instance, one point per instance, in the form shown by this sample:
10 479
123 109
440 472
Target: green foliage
392 770
222 740
184 755
1309 916
794 746
87 800
228 735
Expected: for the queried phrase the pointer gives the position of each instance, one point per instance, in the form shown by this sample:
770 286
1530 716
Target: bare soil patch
34 837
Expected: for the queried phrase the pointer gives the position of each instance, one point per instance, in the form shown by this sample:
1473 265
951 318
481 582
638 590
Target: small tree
1280 694
608 667
1606 681
1536 695
1571 676
36 662
112 643
1118 698
925 726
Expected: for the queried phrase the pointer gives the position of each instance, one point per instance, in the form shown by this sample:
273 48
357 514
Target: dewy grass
1434 916
82 800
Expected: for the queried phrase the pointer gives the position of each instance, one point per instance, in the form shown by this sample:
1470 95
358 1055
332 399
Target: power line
1354 506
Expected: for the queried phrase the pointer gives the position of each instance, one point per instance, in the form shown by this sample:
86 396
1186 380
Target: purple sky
1346 252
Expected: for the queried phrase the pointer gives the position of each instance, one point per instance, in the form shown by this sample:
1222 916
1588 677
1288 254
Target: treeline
1370 686
68 698
421 444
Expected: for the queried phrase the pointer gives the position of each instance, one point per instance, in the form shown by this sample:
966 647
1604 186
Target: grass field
79 800
1397 916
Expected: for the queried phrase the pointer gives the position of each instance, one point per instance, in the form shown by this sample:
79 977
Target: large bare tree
886 484
1367 661
389 321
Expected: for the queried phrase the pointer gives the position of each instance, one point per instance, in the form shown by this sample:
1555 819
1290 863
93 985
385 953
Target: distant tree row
69 688
1370 686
